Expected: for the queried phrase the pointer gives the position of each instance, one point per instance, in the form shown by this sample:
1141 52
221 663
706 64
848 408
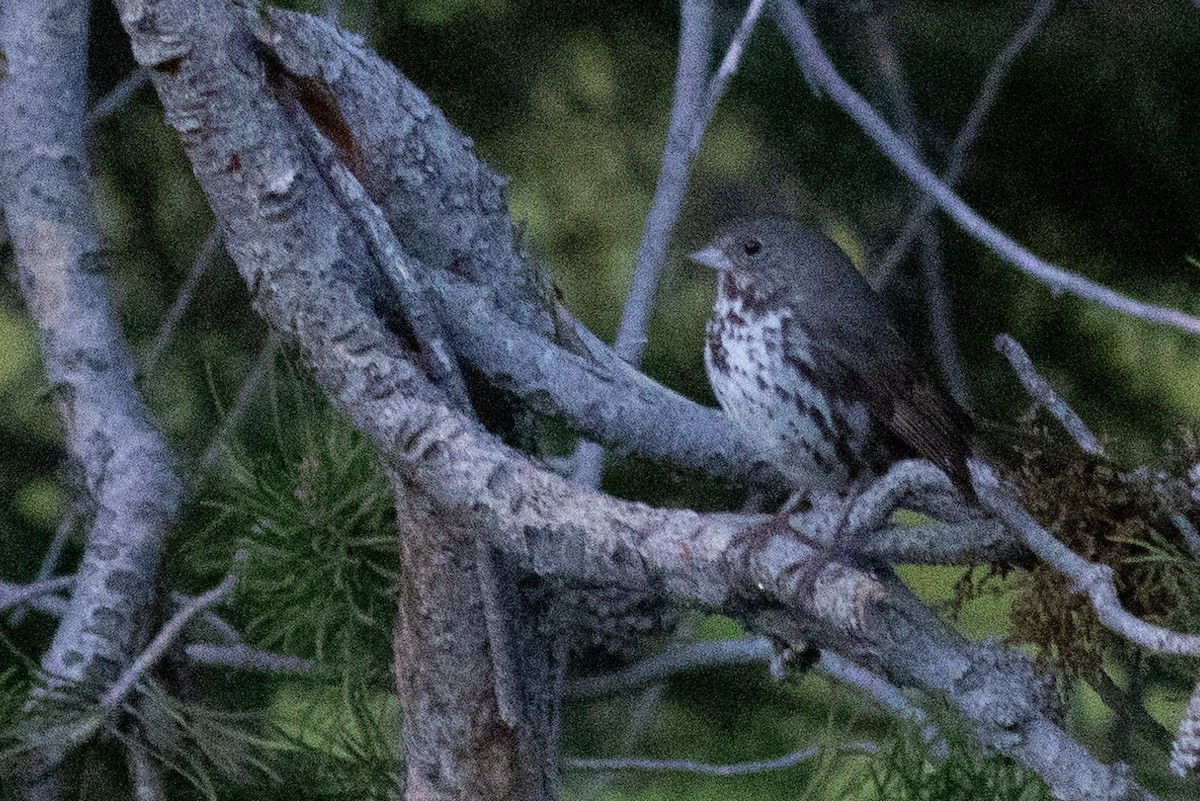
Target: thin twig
249 389
723 653
690 116
53 553
243 657
203 258
118 95
1041 391
736 769
691 75
1091 578
676 659
695 39
956 158
816 64
880 35
12 595
720 80
163 640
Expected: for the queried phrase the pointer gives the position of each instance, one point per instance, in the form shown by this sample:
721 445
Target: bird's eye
751 246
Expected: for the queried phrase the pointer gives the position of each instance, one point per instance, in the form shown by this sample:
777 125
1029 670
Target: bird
806 361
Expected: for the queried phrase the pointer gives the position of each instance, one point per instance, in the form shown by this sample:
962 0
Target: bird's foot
840 546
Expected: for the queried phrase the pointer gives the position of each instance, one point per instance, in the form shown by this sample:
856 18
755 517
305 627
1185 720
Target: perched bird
803 356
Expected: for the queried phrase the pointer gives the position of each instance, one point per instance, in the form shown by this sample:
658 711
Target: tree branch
119 691
297 249
957 157
203 258
13 595
705 769
108 430
695 41
1041 391
821 72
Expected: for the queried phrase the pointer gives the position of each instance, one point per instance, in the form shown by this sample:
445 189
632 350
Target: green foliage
343 742
948 768
316 519
210 748
1105 516
13 692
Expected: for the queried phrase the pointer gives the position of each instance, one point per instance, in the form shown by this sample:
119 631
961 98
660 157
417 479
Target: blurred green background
1089 159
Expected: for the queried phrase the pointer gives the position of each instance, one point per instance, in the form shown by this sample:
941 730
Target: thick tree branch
108 430
499 324
302 256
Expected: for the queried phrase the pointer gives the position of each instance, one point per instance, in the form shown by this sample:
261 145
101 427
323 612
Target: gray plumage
804 357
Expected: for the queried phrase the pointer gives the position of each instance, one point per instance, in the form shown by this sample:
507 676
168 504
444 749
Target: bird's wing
871 363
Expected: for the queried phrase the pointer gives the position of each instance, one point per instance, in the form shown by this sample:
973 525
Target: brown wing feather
872 364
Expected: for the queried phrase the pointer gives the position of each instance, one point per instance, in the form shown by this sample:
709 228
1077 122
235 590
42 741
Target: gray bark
108 430
312 276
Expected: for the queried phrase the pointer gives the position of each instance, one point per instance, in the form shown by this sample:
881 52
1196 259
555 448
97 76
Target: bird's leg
757 536
843 542
840 545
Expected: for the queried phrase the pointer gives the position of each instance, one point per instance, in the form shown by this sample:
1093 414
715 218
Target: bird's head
772 252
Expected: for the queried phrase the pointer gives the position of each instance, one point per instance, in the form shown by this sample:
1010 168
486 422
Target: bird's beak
712 257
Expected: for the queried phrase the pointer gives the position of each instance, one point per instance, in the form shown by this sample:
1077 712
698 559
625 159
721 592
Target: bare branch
166 636
729 65
53 554
227 651
695 40
817 66
937 303
1041 391
956 159
600 394
203 258
688 113
723 653
250 386
243 657
49 604
108 430
676 659
703 768
145 774
14 595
